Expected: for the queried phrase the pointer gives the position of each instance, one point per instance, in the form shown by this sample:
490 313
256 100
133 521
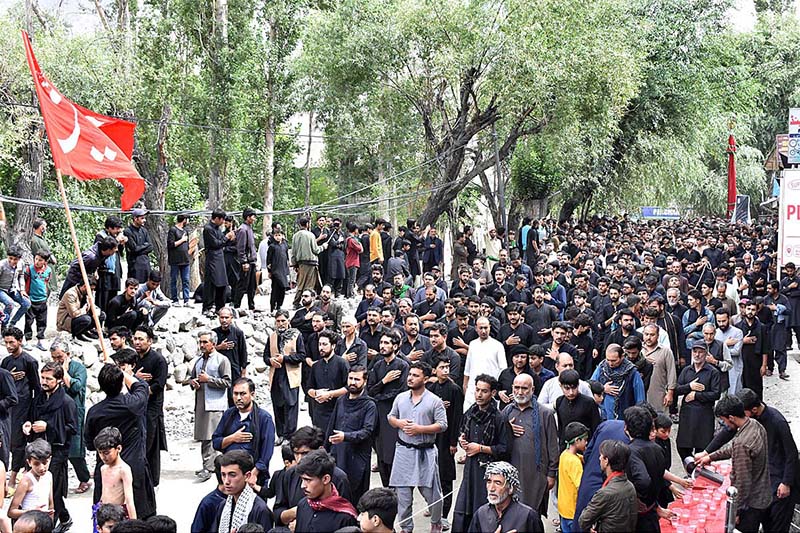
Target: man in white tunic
418 415
484 356
210 378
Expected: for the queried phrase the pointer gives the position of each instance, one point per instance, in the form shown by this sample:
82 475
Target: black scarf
51 410
478 417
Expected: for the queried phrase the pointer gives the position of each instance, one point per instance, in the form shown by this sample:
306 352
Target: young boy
598 393
277 478
107 516
35 489
663 425
570 470
115 473
37 286
377 510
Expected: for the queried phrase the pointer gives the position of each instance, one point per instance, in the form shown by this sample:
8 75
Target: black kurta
126 412
517 517
331 375
357 418
138 249
236 355
452 393
8 399
214 241
752 356
696 428
384 396
154 363
27 389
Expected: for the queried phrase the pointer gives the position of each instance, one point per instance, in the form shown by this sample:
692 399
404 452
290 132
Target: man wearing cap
504 511
247 254
699 384
138 246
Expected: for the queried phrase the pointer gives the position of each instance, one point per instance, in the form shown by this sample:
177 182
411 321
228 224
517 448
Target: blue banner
663 213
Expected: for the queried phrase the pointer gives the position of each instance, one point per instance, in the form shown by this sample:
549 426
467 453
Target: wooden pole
85 276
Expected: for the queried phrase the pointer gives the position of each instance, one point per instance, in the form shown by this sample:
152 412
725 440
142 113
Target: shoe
769 373
445 524
63 527
437 528
279 441
40 346
784 376
198 472
92 335
204 476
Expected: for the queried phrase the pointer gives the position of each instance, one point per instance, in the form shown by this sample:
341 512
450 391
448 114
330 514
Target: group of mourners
552 364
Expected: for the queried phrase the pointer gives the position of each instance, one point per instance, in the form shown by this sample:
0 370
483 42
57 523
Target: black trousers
647 522
58 467
246 287
213 295
286 415
385 470
447 504
750 519
779 514
81 468
36 312
276 297
352 274
84 324
153 449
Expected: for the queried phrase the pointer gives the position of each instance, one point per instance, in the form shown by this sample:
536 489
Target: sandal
83 487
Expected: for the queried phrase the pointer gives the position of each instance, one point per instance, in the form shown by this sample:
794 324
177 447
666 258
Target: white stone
259 364
247 329
181 372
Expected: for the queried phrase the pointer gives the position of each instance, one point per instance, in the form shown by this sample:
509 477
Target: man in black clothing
350 431
754 356
521 293
539 316
247 256
301 321
285 352
370 300
54 418
215 281
232 344
515 332
459 337
386 380
452 396
323 509
152 368
574 406
178 259
109 273
439 349
583 340
638 425
430 309
93 258
519 365
122 309
138 246
627 323
8 399
371 333
328 380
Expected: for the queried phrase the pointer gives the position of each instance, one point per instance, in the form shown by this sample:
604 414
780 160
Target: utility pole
501 186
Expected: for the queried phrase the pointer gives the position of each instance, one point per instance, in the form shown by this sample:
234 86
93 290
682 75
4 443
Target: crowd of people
553 364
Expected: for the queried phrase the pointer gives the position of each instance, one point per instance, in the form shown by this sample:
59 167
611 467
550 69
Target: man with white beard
504 512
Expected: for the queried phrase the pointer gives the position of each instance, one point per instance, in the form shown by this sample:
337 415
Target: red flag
84 144
731 174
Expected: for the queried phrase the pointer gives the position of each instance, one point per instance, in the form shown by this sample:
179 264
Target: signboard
789 222
741 213
793 150
661 213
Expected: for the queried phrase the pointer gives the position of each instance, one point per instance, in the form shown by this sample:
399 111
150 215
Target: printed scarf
334 503
481 418
233 517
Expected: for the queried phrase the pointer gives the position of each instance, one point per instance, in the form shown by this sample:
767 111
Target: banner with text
789 222
662 213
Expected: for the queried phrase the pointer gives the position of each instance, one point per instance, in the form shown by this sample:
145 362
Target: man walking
417 415
661 392
210 378
247 254
178 259
138 246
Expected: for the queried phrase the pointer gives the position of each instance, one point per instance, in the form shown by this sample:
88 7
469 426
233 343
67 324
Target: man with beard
459 337
322 509
370 301
661 392
414 344
386 380
608 315
534 444
790 287
128 413
718 355
123 310
54 418
75 386
331 310
730 337
430 309
519 365
210 378
349 347
285 352
432 251
515 332
447 442
24 369
504 511
370 334
350 431
328 380
699 386
152 368
483 435
539 316
138 246
672 325
215 280
779 305
417 415
247 427
439 349
627 327
558 344
754 357
622 383
633 351
232 344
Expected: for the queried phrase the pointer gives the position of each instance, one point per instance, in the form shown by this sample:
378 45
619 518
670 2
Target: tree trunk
307 171
216 180
269 141
572 203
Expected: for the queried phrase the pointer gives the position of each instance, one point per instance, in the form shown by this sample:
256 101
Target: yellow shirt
375 246
570 470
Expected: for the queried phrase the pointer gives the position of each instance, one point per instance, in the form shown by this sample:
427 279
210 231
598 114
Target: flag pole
85 276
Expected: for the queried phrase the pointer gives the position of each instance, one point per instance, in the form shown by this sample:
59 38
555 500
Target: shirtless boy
116 474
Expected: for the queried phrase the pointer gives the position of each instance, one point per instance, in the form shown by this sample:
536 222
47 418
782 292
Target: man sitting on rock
150 298
74 315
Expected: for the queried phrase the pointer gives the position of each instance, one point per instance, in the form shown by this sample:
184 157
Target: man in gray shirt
418 415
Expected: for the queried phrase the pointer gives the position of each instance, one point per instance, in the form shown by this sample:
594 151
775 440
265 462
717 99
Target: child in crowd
663 425
35 490
37 286
277 478
107 516
570 470
377 510
115 473
598 393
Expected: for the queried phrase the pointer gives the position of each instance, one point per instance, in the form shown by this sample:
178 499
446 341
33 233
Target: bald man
552 391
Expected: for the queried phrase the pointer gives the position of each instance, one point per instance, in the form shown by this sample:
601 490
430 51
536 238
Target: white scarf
241 512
